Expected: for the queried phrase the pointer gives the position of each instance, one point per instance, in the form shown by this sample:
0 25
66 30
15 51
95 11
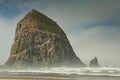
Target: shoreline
81 77
24 78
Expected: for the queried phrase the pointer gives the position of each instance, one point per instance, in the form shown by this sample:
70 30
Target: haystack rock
94 62
39 41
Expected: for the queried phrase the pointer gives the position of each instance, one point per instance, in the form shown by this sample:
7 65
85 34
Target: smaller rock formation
94 62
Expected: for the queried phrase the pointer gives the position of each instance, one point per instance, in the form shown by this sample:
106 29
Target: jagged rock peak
35 19
38 17
33 14
34 11
94 62
40 41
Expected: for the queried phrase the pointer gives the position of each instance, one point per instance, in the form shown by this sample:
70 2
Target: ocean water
87 73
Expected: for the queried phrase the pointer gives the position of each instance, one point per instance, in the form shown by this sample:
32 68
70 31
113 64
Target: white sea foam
105 71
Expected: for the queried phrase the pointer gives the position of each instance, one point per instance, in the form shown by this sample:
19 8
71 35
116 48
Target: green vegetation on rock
47 27
43 22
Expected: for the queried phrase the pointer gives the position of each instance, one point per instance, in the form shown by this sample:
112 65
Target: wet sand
53 76
13 78
80 77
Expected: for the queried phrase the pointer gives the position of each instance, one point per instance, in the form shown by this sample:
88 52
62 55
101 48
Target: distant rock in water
39 41
94 62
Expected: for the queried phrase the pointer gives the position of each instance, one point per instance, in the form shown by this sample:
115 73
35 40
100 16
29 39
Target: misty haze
54 40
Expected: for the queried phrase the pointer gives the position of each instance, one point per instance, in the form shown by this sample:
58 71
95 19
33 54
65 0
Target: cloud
83 12
68 14
2 1
6 35
101 41
92 26
11 8
7 31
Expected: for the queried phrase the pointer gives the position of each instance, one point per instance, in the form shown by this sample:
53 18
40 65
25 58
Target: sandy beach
85 77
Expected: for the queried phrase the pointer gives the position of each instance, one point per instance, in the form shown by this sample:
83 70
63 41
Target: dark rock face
39 41
94 62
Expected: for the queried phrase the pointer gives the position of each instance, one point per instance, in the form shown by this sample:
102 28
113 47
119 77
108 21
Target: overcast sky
92 26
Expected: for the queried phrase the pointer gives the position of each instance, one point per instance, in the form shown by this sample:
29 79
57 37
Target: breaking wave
103 71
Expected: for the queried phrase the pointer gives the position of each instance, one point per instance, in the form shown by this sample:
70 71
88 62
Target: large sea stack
39 41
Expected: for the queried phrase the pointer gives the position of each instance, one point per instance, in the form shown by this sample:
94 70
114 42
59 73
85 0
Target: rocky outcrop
39 41
94 62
